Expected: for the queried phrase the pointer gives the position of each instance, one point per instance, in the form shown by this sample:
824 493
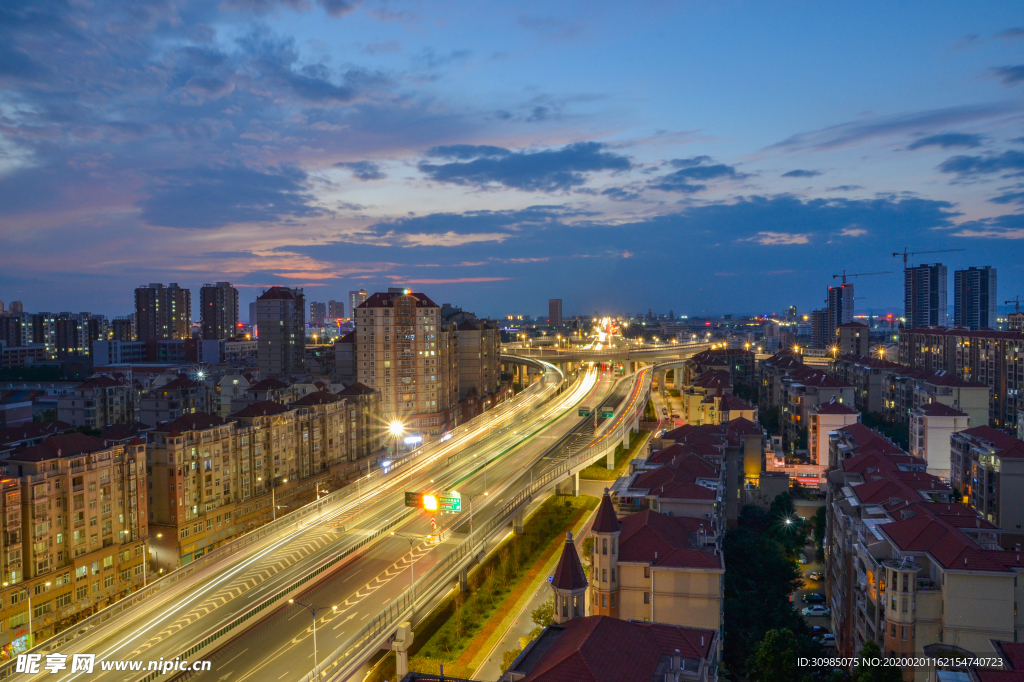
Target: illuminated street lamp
273 492
313 610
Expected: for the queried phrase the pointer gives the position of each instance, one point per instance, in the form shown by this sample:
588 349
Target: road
271 650
174 620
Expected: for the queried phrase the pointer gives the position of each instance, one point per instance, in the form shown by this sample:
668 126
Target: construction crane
844 275
1016 301
906 254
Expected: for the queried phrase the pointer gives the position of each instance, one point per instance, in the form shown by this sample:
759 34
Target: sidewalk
541 592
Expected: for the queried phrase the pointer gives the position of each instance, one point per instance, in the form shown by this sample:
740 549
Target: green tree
774 659
820 523
508 658
544 615
769 419
785 525
865 672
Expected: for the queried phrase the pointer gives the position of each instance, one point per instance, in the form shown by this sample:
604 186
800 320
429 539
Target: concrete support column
677 378
464 580
609 460
517 523
400 645
661 382
625 439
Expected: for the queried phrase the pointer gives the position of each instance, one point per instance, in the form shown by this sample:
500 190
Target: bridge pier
625 439
464 580
569 486
517 523
400 645
677 378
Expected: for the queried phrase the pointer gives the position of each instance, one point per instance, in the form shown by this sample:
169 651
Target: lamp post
31 635
412 564
313 610
273 492
471 498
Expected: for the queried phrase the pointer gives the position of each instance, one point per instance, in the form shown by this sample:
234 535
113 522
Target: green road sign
450 501
607 412
585 411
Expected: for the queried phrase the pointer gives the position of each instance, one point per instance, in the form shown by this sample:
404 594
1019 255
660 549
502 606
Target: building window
604 601
604 546
613 575
604 575
613 601
647 597
647 571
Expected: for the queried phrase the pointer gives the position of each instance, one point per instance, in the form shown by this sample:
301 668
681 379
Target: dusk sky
705 157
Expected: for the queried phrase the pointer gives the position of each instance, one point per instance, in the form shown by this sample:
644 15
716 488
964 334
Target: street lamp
273 492
313 610
471 498
31 635
412 564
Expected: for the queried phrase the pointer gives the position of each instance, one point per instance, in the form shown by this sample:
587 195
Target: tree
544 615
774 659
508 658
785 525
864 672
820 523
770 419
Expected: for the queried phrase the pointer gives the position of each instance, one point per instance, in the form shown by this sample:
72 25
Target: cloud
1009 75
1011 34
214 196
947 140
1009 198
698 168
452 238
844 188
545 171
364 170
337 8
967 166
550 26
454 280
853 232
799 173
620 194
778 238
857 132
1009 226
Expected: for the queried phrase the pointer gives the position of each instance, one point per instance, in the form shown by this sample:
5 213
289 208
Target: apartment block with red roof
99 401
801 391
171 399
868 375
931 426
987 467
908 566
74 524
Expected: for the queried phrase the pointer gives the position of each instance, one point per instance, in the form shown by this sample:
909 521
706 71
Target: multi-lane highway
175 619
282 644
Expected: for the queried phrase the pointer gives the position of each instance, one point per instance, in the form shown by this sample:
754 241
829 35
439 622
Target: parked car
827 640
818 631
664 410
814 575
814 598
802 558
816 610
675 416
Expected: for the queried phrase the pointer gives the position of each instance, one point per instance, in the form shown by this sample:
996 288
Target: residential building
869 377
908 567
700 388
975 298
840 308
771 372
173 397
356 299
800 391
218 312
345 371
336 310
853 338
737 362
820 337
163 312
74 525
123 328
599 649
317 314
555 312
924 296
99 401
479 360
987 467
931 426
823 419
403 351
281 319
365 425
657 567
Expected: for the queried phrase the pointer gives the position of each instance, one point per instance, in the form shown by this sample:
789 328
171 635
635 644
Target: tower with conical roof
604 564
569 584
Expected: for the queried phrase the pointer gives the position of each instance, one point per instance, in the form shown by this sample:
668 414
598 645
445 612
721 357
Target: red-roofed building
931 426
801 391
171 399
822 419
987 466
908 567
603 649
281 325
569 584
99 401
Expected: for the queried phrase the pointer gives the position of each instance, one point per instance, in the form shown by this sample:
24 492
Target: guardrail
337 665
123 608
542 351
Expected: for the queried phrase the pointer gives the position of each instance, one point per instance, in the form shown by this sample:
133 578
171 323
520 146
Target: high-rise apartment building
819 329
335 310
163 312
317 314
122 328
555 312
219 310
924 296
840 308
404 351
974 298
281 319
355 299
16 307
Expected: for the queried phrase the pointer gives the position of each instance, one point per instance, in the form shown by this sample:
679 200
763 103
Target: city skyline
336 146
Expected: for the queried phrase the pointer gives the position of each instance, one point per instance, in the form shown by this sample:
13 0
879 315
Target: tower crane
906 254
1015 301
844 274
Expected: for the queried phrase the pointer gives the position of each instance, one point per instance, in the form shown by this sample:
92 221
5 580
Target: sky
700 157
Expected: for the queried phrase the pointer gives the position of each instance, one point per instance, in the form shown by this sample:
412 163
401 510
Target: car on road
802 558
816 610
664 410
814 598
813 575
818 631
675 416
